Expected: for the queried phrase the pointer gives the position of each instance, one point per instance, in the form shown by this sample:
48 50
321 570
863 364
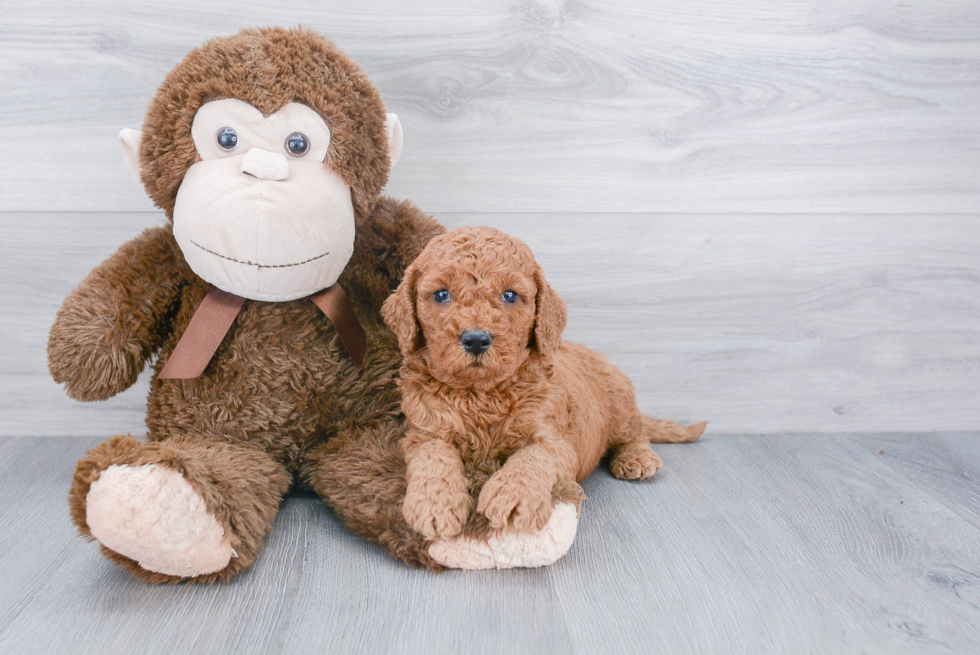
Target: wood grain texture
755 323
797 543
801 543
549 105
945 465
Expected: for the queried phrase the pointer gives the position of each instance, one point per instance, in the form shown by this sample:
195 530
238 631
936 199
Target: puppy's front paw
511 500
442 514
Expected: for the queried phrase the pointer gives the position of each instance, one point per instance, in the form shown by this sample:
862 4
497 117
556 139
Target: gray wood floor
750 544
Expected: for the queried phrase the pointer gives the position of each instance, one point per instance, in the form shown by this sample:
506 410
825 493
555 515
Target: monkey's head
265 150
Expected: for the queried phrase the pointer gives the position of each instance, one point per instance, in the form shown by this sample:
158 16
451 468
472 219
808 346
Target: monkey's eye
442 295
297 144
227 138
509 296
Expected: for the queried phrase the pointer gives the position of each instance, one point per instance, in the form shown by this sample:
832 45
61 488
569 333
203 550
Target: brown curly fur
529 414
281 403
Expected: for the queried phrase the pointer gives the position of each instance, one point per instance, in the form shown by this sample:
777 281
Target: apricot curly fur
513 424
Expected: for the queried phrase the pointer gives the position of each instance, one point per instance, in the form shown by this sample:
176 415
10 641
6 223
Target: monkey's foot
508 550
153 516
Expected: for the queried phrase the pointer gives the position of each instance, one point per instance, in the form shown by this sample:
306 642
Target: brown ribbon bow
218 311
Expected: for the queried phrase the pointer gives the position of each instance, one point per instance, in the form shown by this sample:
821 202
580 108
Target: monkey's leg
360 474
181 509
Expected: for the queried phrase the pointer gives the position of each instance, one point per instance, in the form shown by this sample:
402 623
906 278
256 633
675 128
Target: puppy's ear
399 314
550 316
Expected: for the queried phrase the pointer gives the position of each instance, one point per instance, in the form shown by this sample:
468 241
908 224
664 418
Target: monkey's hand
391 239
115 319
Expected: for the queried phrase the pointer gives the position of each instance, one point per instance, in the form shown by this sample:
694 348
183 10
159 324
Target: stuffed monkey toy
260 298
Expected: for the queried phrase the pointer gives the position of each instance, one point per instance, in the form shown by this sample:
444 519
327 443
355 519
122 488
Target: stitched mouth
238 261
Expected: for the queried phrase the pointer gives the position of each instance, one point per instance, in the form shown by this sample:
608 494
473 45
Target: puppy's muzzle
476 342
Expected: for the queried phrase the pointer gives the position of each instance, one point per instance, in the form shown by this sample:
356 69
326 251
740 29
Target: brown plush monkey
267 151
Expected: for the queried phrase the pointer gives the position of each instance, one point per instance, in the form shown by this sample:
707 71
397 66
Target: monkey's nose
475 342
265 165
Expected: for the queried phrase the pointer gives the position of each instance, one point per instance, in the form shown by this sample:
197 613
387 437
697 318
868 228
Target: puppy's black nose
475 342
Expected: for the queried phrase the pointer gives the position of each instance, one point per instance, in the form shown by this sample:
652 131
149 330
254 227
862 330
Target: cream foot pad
152 515
512 550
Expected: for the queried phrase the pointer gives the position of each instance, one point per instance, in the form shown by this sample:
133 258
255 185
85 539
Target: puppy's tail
666 432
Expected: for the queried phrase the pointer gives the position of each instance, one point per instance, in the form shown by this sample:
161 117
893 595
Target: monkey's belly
282 380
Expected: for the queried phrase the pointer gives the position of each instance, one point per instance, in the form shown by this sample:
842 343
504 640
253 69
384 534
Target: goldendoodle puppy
489 387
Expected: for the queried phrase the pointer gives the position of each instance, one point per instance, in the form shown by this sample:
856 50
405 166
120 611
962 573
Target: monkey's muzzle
265 165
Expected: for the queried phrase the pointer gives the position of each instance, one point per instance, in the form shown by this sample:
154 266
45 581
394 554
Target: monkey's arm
387 242
116 318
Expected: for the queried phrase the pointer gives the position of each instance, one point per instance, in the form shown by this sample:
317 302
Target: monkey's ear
129 141
395 138
399 314
550 316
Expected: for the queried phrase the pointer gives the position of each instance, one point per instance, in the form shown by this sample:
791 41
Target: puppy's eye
227 138
509 296
442 295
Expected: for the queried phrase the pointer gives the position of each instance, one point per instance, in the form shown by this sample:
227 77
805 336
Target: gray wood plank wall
765 213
